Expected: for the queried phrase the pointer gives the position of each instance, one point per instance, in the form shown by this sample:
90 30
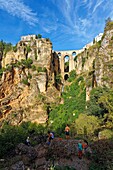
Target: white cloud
97 5
19 9
81 21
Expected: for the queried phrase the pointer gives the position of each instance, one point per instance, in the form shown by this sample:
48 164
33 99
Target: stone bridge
67 57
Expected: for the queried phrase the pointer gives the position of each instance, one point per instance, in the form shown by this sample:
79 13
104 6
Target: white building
98 37
28 37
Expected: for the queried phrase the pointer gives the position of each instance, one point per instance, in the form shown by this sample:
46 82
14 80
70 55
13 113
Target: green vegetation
83 61
8 67
27 63
98 44
28 49
102 156
93 107
41 69
72 76
39 36
1 71
33 67
108 24
74 104
5 47
15 48
25 81
11 136
29 76
86 125
66 66
101 105
58 78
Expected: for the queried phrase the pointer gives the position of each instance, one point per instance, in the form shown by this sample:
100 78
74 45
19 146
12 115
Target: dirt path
64 153
60 153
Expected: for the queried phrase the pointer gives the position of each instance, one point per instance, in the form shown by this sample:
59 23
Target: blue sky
70 24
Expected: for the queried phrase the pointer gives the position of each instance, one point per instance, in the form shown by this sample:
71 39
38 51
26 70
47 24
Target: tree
94 41
39 36
86 125
107 20
94 107
107 101
108 24
5 47
101 105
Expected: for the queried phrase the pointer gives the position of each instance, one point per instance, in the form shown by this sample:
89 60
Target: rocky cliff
28 82
96 63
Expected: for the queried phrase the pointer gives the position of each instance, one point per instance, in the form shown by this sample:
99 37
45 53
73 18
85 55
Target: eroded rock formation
26 88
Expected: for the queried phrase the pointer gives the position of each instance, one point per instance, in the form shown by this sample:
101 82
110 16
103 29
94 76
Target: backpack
52 135
80 146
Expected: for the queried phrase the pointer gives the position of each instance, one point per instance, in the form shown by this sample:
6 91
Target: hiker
67 130
50 137
84 146
80 149
28 141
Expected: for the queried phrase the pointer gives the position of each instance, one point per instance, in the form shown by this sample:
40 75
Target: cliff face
96 63
26 87
39 50
104 61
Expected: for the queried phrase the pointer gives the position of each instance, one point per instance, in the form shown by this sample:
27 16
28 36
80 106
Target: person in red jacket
84 145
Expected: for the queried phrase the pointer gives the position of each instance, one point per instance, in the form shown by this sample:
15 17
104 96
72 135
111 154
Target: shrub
102 155
9 67
11 136
15 48
86 125
27 63
33 67
28 49
107 133
83 61
29 76
25 81
93 106
41 69
39 36
58 78
1 71
72 75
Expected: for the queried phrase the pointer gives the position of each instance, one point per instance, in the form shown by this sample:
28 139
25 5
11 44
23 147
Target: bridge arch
66 63
71 63
73 54
66 76
59 54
